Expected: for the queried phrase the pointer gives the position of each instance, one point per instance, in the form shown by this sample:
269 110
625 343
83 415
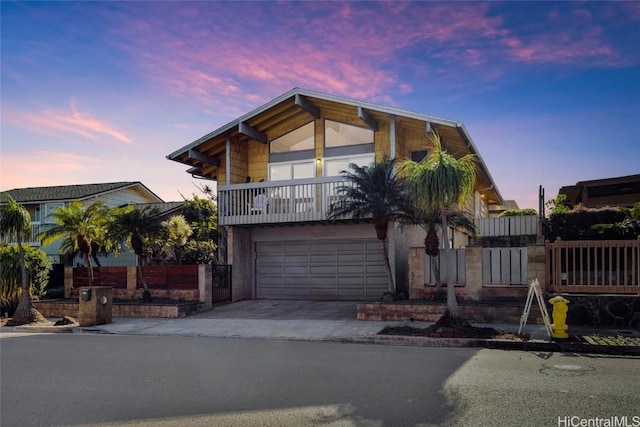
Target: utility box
95 305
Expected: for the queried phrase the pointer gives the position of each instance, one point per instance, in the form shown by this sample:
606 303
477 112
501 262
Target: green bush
578 224
10 276
519 212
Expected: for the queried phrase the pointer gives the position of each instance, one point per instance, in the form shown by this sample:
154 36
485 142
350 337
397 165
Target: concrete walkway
316 321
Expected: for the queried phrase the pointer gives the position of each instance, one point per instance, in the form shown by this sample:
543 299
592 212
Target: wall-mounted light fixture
318 160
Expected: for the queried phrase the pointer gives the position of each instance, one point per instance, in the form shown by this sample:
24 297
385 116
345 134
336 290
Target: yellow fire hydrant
559 314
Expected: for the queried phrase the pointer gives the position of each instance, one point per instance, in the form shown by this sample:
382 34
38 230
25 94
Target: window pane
296 140
279 172
333 167
340 134
304 170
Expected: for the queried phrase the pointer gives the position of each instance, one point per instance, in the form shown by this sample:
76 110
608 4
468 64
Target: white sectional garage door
351 270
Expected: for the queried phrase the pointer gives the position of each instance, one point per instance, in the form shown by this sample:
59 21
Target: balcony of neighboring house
286 201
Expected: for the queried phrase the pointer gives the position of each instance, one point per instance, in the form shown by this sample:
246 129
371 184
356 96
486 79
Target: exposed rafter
369 120
204 158
252 133
307 106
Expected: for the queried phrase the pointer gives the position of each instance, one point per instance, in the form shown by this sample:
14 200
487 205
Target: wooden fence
507 226
500 266
504 266
605 267
460 268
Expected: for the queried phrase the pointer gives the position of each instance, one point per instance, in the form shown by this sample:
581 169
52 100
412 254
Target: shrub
519 212
578 223
10 283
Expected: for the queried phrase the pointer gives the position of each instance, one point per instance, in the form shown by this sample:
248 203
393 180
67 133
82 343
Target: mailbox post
95 306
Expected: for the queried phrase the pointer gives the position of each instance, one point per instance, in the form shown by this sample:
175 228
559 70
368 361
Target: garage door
352 270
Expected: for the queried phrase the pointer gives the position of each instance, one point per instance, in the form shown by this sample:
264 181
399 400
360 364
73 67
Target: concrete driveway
283 310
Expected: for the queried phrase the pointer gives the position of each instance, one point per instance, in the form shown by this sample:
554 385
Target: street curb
497 344
404 340
41 329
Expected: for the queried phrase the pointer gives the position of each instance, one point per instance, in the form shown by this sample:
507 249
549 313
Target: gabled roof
165 208
256 124
63 193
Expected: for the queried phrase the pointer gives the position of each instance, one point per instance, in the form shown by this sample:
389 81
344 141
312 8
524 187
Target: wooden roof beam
204 158
252 133
368 119
307 106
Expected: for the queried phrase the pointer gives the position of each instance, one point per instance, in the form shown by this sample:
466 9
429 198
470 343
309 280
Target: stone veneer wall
603 310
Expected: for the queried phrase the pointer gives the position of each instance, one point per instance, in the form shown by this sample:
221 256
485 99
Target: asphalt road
517 388
82 379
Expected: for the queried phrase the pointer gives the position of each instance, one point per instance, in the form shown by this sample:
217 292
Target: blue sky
103 91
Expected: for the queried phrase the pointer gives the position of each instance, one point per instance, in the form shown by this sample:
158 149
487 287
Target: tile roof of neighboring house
68 192
165 208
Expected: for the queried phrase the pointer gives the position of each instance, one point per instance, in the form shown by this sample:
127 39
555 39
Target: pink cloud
53 168
340 48
49 121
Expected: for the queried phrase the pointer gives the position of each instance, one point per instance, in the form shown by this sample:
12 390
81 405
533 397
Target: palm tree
80 226
431 222
440 183
178 231
138 227
15 225
374 191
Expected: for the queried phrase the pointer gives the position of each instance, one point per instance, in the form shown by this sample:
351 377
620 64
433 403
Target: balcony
300 200
32 240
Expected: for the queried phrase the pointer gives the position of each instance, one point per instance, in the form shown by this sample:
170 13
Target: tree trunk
452 302
146 294
385 250
87 260
435 268
23 314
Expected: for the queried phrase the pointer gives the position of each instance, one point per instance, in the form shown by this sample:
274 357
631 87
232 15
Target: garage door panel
322 292
323 282
295 249
322 247
299 270
351 281
351 269
298 292
351 246
376 269
351 292
322 259
350 258
322 270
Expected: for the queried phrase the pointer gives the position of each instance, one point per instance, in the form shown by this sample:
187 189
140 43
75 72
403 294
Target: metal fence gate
221 283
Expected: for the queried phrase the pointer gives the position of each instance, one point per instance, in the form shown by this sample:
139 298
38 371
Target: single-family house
40 202
277 169
598 193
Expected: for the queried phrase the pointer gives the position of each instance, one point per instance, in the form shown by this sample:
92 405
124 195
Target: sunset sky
103 91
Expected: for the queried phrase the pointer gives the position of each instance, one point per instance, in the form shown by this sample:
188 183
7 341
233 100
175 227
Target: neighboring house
597 193
40 202
277 169
496 210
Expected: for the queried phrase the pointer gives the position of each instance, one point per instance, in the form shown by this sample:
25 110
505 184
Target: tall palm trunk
87 260
23 313
385 251
452 302
146 294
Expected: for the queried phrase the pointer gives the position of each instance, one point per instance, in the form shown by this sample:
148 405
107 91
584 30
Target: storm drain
566 370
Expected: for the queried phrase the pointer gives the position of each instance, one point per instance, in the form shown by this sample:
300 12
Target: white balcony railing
32 240
297 200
